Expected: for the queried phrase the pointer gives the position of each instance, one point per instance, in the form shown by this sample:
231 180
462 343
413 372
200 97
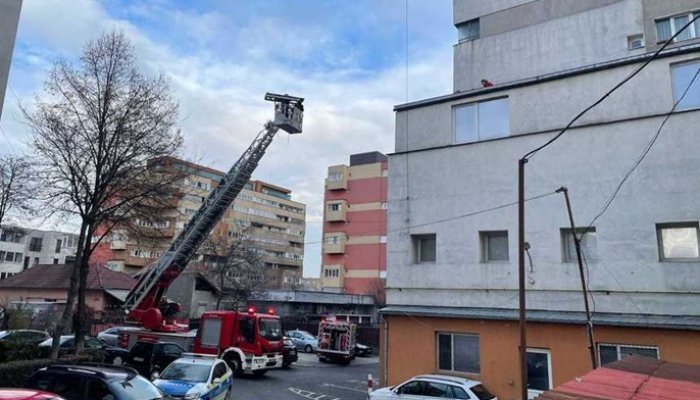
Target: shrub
16 373
14 351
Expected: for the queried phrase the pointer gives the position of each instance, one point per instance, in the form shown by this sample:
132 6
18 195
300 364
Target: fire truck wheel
235 364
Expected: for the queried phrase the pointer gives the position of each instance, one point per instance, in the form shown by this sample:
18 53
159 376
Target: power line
611 91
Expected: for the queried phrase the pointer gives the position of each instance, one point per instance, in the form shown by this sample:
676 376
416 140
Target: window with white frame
424 248
334 206
635 42
494 246
678 241
469 30
458 353
483 120
539 370
686 85
589 244
609 353
335 176
667 27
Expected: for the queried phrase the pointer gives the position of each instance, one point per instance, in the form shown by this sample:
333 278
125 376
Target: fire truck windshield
270 328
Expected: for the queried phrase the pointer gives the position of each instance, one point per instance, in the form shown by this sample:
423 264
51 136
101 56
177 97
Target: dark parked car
27 336
94 382
149 358
362 350
289 353
112 355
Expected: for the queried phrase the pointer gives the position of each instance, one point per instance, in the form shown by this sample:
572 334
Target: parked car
94 382
196 377
111 336
28 336
150 358
303 340
27 394
362 350
112 355
289 353
437 386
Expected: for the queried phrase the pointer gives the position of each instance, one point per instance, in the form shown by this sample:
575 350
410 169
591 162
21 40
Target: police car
196 377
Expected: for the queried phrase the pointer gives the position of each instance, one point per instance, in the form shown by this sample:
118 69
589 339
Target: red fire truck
336 340
247 341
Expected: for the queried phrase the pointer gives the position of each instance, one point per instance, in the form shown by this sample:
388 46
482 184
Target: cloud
224 62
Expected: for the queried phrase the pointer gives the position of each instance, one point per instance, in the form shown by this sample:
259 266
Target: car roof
104 371
449 379
195 360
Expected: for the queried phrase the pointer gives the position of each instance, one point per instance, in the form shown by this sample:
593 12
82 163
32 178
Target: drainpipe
385 378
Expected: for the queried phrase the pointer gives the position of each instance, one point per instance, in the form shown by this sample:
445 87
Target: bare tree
16 189
235 266
100 124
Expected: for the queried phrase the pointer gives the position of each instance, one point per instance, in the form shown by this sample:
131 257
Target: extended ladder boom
143 302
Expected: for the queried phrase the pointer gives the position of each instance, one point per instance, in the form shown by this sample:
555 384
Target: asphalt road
310 379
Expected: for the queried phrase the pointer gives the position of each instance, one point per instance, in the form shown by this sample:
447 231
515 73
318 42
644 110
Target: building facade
522 70
22 248
9 19
354 226
263 213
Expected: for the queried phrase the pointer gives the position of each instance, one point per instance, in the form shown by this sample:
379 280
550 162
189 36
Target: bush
16 373
14 351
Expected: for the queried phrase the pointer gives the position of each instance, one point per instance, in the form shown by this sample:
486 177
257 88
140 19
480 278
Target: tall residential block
354 226
22 248
263 213
522 71
9 18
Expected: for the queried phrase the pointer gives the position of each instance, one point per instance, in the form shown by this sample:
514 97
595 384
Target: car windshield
481 392
135 388
270 329
307 335
186 372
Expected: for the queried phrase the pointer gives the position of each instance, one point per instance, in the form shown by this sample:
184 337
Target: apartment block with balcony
265 213
22 248
522 70
354 227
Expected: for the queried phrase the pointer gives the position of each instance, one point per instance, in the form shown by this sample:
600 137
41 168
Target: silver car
111 336
303 340
434 386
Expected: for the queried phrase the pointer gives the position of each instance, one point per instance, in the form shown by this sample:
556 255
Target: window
682 75
459 353
18 257
35 244
2 255
11 236
211 330
678 241
468 30
539 370
417 388
609 353
332 273
10 256
98 390
635 42
481 121
667 27
58 245
494 246
219 371
589 244
424 248
3 275
55 261
334 207
335 176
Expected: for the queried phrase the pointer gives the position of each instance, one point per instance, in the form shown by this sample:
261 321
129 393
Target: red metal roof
634 378
57 276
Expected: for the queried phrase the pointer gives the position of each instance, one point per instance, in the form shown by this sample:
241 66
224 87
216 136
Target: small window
335 176
635 42
481 121
35 244
211 330
469 30
539 374
334 207
682 77
494 246
58 245
459 353
678 241
10 256
18 257
424 248
589 244
609 353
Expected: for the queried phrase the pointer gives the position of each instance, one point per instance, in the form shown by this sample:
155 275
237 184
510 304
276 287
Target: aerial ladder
146 303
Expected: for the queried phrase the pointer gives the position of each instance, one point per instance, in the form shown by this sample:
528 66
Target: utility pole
521 277
577 246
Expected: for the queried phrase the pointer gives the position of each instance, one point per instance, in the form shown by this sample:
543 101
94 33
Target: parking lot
308 378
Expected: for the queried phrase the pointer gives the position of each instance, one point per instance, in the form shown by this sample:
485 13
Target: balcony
334 244
337 178
117 245
335 211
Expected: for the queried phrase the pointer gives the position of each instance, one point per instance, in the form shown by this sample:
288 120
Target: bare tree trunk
81 311
66 317
220 295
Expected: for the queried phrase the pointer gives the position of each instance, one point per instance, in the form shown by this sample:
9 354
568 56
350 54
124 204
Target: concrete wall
590 161
464 10
9 18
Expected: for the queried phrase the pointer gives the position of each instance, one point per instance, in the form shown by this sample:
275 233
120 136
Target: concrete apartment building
452 275
9 18
354 226
22 248
270 218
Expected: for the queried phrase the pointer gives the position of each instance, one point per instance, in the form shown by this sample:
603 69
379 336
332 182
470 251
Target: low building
22 248
194 292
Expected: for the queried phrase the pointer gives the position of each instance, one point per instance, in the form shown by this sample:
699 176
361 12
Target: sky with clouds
347 58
